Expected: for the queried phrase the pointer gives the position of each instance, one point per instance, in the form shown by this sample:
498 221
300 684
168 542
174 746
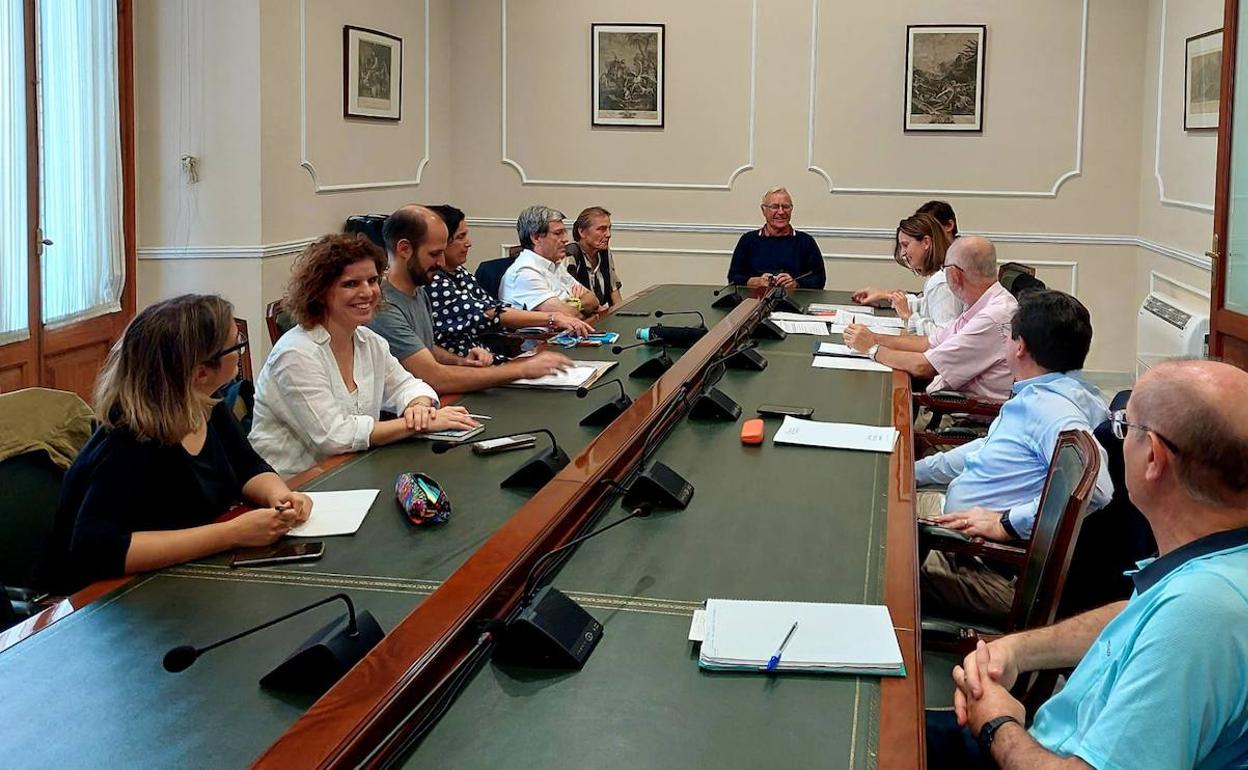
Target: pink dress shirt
969 353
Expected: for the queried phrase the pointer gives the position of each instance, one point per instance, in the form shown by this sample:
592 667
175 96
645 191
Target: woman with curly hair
326 381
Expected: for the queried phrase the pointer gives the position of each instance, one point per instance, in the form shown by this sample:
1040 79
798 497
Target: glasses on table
1118 423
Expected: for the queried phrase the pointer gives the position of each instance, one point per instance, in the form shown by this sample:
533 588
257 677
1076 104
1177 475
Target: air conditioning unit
1165 328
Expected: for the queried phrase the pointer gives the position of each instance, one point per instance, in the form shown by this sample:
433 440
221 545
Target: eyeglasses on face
236 347
778 206
1118 423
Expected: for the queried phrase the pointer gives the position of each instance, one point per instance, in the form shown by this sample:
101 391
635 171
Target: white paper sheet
889 330
817 328
878 321
836 435
783 316
846 363
838 349
336 513
818 308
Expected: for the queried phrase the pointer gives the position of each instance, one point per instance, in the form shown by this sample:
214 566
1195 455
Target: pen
775 659
480 416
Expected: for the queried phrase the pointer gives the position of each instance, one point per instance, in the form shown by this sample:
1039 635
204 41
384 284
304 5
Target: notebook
743 635
580 374
456 436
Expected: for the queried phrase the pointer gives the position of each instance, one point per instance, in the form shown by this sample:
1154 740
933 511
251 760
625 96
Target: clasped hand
983 686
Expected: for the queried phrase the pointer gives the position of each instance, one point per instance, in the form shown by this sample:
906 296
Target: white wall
1062 175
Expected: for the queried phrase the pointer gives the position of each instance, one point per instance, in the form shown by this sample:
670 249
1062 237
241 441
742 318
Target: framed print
627 76
1202 81
945 77
372 70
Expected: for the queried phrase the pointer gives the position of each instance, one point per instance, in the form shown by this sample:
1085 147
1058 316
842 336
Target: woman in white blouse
921 245
323 387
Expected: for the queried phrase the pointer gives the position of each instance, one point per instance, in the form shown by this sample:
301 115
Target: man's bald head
410 223
976 256
1200 406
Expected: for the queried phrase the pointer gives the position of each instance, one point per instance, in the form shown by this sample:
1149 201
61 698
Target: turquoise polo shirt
1165 685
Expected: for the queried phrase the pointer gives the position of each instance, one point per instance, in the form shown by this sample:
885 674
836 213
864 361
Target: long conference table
83 686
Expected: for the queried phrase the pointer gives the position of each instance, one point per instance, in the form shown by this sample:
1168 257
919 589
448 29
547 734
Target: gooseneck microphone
543 466
651 367
723 289
698 313
642 510
618 349
606 413
583 391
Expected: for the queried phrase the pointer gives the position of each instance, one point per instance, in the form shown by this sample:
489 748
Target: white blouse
935 307
303 410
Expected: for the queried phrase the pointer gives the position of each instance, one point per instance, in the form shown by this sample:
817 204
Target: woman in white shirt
323 387
921 245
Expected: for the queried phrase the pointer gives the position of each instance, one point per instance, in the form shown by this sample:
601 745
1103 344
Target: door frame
1224 323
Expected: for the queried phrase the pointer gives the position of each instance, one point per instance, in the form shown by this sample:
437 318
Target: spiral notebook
743 635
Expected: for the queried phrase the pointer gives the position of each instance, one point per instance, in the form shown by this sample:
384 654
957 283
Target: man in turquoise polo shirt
1162 679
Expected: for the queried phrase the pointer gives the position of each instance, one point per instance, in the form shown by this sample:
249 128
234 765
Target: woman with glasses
920 245
777 254
168 458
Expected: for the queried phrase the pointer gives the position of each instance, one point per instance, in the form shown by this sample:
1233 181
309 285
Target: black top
119 485
600 280
795 254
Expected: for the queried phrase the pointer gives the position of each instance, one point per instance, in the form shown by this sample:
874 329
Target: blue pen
775 659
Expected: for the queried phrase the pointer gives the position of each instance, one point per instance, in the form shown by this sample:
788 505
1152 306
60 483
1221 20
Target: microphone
618 349
651 367
606 413
534 472
723 289
676 336
698 313
319 662
730 299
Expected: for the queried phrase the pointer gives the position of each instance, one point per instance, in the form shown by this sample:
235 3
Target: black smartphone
777 410
278 554
496 445
631 314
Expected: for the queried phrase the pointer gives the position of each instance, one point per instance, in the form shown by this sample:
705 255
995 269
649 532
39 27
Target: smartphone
631 314
278 554
496 445
776 410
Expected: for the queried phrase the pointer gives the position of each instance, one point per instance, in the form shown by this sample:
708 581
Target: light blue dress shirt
1005 470
1163 686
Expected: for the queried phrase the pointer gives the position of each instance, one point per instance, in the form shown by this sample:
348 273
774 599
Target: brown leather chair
277 319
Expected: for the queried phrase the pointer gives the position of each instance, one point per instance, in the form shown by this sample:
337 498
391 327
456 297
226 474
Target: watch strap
1009 527
988 733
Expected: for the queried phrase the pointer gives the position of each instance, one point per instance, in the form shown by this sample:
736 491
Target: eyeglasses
236 347
778 206
1118 423
955 267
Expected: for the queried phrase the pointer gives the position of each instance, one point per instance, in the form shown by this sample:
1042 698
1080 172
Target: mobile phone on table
282 553
496 445
631 314
778 410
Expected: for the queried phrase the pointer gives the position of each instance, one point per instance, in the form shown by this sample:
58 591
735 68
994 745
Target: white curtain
14 235
83 271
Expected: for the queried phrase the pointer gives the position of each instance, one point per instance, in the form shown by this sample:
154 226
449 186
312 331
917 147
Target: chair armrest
950 541
946 401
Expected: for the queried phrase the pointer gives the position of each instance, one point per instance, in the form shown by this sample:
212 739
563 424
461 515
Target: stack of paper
837 349
581 373
828 639
836 435
848 363
336 513
819 308
892 331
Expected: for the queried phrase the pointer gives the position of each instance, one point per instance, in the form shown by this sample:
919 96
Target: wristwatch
988 732
871 351
1008 527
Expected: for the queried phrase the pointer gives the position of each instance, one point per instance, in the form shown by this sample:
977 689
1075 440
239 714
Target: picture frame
627 75
372 74
945 77
1202 81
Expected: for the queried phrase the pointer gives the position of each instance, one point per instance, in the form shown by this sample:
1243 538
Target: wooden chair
1018 278
277 319
1042 563
957 404
244 360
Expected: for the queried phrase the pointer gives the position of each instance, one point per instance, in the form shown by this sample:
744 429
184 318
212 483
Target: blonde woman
326 381
168 459
920 245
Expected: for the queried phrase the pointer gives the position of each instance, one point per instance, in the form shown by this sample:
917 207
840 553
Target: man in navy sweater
776 254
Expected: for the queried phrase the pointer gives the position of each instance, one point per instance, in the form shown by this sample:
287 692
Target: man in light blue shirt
994 483
1160 679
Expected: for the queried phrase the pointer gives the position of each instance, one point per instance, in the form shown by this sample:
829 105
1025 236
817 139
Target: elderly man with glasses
1158 679
776 254
967 354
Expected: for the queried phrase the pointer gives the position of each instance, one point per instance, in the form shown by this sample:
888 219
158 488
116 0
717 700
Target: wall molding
285 248
814 168
1161 78
507 160
306 162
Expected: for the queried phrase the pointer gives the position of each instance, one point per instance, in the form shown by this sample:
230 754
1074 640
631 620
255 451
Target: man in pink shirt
968 354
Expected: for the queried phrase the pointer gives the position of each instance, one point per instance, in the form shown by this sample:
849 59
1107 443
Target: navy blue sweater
795 254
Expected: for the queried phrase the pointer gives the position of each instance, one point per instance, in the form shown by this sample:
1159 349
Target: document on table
891 331
336 513
837 349
581 373
836 435
826 638
849 364
818 328
879 321
818 308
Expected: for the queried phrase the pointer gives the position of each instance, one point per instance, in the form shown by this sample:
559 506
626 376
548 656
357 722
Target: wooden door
1228 322
69 356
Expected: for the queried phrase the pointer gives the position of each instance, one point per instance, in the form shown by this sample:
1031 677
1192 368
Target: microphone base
749 359
552 632
661 487
728 301
767 329
606 414
654 367
537 470
787 304
715 405
325 656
